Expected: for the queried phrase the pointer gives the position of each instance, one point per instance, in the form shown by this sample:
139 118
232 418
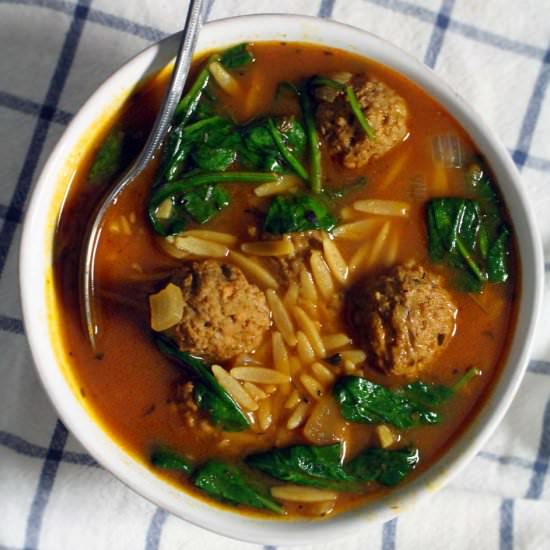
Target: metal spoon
160 128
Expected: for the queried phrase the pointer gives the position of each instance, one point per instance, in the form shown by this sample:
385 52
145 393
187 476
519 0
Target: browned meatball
345 138
223 314
402 319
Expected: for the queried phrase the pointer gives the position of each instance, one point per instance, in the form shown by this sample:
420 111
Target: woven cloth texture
54 53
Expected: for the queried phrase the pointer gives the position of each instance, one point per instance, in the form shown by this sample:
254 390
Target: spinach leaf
363 401
497 257
167 459
471 235
108 160
230 483
208 394
260 150
321 466
190 101
297 213
428 395
384 466
313 139
237 56
285 150
216 146
176 192
207 133
453 229
203 203
318 466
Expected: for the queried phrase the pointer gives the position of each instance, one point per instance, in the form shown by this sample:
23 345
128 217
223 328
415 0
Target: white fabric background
53 54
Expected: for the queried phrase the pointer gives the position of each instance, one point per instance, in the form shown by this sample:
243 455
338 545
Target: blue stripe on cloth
57 83
45 484
540 470
532 161
38 139
13 215
389 530
97 16
269 547
326 8
497 41
539 367
399 6
208 9
533 111
509 460
25 448
152 540
547 267
438 33
469 31
537 163
506 528
9 324
29 107
56 5
125 25
406 8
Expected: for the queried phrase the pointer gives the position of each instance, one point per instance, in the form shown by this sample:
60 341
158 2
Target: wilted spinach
208 394
470 235
167 459
233 484
361 400
297 213
108 160
260 151
321 466
236 56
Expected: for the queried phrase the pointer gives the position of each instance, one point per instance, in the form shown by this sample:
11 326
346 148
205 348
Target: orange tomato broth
128 387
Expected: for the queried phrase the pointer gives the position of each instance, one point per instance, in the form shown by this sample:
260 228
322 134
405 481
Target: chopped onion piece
164 209
325 424
449 150
342 77
386 437
166 307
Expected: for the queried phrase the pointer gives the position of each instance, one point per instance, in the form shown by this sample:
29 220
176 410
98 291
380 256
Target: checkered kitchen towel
53 54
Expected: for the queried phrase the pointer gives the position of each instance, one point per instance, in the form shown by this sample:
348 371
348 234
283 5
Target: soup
305 298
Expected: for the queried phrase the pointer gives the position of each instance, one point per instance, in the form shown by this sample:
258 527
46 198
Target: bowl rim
35 259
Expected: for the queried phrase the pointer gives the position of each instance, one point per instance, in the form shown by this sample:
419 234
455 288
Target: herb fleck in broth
366 220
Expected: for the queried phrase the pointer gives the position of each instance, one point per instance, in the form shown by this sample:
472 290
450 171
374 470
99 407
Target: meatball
402 319
345 138
223 314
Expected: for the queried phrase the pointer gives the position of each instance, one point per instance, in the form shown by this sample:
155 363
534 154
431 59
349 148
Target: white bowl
36 287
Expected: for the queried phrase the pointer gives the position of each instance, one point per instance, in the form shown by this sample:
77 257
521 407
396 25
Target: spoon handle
172 96
175 88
